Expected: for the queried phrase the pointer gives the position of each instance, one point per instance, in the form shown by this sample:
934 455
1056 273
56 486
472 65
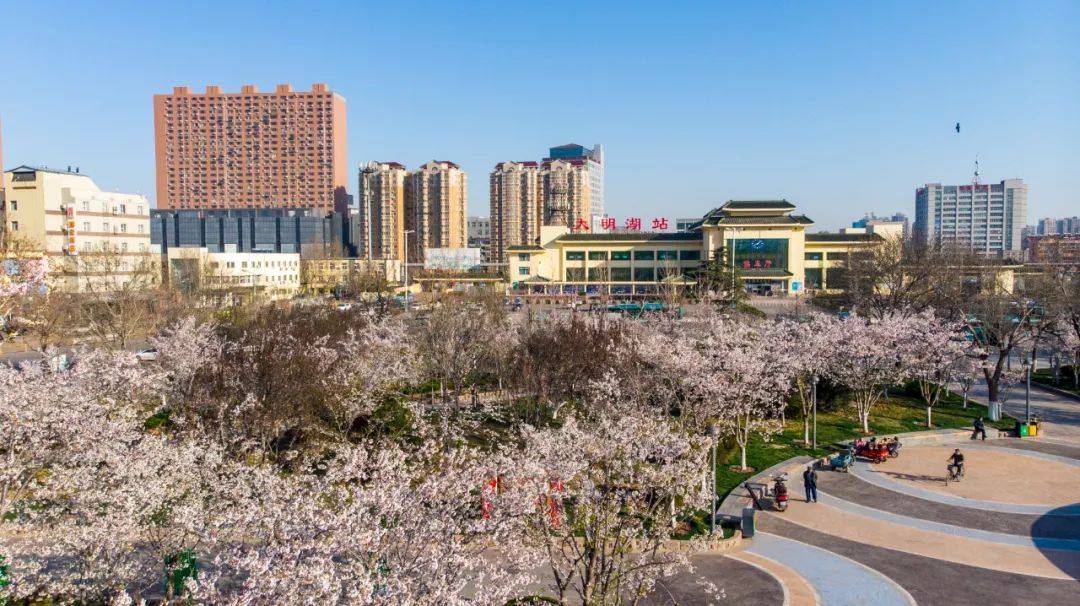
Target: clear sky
841 108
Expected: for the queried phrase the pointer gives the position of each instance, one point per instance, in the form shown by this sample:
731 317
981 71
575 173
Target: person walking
980 428
809 478
474 394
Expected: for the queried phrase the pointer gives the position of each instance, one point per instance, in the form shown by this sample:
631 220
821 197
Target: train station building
773 254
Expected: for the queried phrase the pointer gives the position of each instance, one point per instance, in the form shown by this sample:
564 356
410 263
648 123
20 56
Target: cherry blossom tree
929 349
810 353
966 370
735 379
869 359
601 518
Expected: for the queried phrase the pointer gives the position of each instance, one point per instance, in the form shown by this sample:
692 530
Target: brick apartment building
284 149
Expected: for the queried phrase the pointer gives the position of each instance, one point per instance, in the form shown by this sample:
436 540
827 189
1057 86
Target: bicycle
954 473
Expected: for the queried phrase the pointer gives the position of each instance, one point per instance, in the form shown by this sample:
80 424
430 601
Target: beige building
772 252
240 274
436 198
324 275
516 206
565 187
381 211
93 239
284 149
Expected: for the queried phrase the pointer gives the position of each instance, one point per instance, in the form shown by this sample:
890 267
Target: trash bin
748 522
1021 429
1033 429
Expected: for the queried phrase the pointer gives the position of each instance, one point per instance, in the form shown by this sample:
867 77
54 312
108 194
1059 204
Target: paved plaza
896 533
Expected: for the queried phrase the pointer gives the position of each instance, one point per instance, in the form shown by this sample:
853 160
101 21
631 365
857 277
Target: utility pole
814 398
405 266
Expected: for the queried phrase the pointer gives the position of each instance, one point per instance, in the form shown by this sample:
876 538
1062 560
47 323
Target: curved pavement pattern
838 580
864 471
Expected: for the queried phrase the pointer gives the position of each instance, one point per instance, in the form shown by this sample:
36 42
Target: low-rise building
772 252
240 274
1056 249
94 240
330 275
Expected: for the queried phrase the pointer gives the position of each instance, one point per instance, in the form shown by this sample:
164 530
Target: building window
812 256
139 228
667 255
123 228
598 255
14 226
836 256
620 255
523 271
575 255
86 205
575 274
523 257
14 205
620 274
644 255
644 274
86 226
689 255
813 277
598 274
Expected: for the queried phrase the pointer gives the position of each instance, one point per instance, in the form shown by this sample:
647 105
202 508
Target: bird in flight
957 127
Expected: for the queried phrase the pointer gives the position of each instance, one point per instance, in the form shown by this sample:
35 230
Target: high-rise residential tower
380 206
436 196
987 218
516 209
284 149
565 193
591 162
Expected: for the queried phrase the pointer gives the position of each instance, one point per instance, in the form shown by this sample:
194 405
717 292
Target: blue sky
841 108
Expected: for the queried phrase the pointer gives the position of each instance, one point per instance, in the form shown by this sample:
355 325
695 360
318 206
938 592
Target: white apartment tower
987 218
516 208
381 211
436 197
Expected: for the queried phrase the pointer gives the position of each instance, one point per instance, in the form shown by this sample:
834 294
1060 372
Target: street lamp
1028 364
714 434
405 262
814 399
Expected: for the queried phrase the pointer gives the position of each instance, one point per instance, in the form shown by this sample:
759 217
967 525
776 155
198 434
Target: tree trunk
864 418
965 397
929 417
742 456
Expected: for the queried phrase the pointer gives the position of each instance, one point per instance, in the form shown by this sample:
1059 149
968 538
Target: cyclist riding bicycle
957 461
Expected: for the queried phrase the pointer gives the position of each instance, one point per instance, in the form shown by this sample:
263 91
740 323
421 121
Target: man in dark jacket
809 478
980 428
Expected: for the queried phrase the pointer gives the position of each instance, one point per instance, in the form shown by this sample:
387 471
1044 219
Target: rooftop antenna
975 180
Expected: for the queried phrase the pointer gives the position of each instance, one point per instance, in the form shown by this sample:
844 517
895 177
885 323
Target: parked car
147 355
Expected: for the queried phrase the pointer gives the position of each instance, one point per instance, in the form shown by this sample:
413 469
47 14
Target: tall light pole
1027 391
714 434
405 264
814 398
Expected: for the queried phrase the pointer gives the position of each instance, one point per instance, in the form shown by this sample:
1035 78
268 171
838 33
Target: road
16 357
1060 414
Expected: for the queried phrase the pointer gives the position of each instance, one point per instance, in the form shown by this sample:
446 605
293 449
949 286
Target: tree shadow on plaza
1065 557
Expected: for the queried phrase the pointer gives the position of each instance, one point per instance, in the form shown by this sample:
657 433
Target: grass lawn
1046 377
894 415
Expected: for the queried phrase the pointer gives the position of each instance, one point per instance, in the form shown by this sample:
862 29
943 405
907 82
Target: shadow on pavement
1068 561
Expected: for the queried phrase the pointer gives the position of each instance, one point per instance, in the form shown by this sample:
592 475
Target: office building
380 211
436 196
273 230
986 218
284 149
773 252
516 207
93 240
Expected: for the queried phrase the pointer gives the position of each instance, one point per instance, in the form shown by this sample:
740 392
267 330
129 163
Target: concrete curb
706 546
1056 390
731 507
